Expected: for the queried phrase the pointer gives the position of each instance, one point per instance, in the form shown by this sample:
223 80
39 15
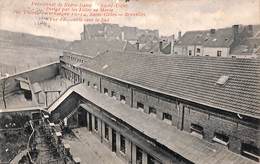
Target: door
113 140
82 118
90 122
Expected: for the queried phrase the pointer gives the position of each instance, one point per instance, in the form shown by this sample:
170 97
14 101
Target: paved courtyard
89 149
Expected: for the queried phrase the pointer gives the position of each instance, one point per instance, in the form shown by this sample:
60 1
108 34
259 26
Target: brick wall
183 114
237 131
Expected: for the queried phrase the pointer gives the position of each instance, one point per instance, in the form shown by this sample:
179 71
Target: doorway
113 140
90 122
82 118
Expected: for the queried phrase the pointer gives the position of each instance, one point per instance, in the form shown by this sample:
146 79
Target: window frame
122 144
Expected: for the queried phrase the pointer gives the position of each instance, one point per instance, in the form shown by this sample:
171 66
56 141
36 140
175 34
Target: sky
168 16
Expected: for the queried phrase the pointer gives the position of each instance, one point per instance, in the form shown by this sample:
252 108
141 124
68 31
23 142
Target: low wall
35 75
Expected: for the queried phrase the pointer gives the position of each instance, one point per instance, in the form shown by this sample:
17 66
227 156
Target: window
152 160
113 94
140 105
88 83
219 53
196 130
190 52
122 99
221 138
167 116
152 110
96 123
122 144
106 132
105 91
250 151
139 155
198 50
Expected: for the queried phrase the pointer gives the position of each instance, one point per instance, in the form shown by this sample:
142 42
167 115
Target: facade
226 42
201 96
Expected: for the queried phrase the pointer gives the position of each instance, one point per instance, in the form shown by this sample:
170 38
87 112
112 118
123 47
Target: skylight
215 39
222 80
105 66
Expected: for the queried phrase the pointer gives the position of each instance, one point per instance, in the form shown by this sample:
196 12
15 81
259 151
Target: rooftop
190 147
93 48
189 78
218 38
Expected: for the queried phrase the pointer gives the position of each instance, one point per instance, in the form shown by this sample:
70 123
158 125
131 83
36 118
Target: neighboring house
249 43
223 42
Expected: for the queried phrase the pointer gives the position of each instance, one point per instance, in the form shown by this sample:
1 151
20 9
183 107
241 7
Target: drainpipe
100 89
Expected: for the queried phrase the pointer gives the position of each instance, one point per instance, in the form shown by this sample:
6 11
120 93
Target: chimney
123 35
84 32
250 30
160 45
179 35
137 45
212 31
172 43
235 32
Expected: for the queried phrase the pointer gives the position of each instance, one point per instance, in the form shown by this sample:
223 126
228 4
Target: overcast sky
169 16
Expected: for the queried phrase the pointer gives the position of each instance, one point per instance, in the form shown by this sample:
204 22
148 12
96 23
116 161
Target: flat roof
188 146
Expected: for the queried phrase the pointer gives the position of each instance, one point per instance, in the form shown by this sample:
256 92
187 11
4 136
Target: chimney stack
137 45
212 31
250 30
235 32
172 43
179 35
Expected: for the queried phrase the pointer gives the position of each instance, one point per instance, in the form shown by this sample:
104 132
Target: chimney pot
212 31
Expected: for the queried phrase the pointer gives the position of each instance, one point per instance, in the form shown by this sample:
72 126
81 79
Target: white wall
212 51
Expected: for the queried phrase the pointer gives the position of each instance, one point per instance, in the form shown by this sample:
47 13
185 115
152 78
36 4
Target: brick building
81 51
181 106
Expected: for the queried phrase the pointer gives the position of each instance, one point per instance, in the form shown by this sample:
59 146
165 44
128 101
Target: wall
179 50
212 51
237 130
118 88
66 107
35 75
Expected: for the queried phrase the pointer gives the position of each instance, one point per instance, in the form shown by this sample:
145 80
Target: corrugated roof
190 78
92 48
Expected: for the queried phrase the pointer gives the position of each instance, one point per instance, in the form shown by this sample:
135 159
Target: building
116 32
81 51
225 42
168 109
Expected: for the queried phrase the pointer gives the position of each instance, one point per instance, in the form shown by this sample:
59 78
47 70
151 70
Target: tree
4 87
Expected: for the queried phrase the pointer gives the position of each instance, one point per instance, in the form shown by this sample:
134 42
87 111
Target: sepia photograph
130 82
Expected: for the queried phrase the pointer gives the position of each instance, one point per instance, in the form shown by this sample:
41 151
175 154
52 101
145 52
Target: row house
224 42
210 98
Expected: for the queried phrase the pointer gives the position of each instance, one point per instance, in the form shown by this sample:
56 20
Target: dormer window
222 80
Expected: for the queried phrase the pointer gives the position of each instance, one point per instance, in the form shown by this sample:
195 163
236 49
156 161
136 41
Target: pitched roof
189 78
220 38
92 48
